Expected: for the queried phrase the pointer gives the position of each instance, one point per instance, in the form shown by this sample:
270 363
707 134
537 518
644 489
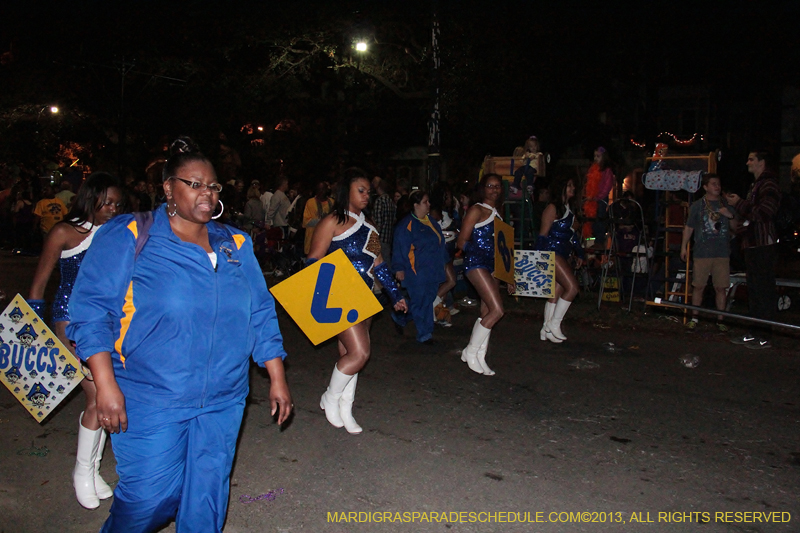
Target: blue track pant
420 308
174 463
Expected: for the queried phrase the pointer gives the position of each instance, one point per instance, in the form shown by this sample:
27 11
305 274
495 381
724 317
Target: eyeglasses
496 186
198 186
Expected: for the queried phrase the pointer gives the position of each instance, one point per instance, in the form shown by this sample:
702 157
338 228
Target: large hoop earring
221 210
174 210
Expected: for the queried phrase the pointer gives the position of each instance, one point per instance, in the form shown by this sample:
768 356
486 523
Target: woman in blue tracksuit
419 256
168 334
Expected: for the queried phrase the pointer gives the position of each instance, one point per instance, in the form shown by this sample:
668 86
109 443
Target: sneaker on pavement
759 344
692 324
744 339
444 324
722 327
468 302
454 310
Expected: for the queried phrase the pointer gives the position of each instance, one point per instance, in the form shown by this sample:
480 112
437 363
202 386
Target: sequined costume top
69 265
560 238
480 252
361 245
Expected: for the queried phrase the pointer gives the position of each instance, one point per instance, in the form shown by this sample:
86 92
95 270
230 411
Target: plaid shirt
383 214
760 208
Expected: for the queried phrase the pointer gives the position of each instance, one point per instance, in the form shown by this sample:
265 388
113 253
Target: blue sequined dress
361 245
480 253
69 264
561 235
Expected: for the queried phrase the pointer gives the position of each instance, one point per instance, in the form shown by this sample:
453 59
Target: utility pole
434 150
124 69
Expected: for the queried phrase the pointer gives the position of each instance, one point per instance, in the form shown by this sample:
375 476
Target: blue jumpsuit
419 252
181 332
480 250
69 264
561 238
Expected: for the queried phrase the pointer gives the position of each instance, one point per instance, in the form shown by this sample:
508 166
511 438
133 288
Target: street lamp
361 46
53 111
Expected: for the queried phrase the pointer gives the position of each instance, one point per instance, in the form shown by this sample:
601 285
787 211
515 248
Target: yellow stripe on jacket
128 310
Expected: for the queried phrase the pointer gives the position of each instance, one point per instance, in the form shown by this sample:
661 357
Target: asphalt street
570 437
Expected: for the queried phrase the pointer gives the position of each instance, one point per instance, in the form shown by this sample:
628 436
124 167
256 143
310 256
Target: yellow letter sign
503 251
327 297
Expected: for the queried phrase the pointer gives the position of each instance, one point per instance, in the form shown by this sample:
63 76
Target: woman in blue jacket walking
419 256
168 330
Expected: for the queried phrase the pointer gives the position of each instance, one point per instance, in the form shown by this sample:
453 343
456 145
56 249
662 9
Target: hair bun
183 145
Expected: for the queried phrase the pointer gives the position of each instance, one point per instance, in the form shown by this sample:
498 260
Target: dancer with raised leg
476 240
557 235
98 200
347 229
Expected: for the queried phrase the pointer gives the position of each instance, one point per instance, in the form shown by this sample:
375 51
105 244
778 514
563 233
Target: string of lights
672 136
678 141
638 145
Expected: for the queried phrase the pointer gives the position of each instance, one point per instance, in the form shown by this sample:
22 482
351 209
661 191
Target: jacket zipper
214 321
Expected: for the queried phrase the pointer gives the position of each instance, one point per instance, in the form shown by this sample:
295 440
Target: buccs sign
34 365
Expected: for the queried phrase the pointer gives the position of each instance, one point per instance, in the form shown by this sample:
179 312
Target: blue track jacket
419 251
179 331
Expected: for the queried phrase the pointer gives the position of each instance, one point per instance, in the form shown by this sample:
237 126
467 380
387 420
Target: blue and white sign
535 273
34 365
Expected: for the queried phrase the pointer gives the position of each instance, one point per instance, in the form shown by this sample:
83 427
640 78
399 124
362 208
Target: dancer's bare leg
558 292
488 288
89 420
566 279
449 282
354 348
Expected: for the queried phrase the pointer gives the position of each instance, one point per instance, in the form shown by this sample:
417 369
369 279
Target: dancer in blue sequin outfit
346 228
476 240
557 235
99 198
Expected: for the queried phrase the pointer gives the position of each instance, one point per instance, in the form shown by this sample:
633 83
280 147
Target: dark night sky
509 68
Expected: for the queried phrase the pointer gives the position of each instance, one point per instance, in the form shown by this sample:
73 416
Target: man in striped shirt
383 215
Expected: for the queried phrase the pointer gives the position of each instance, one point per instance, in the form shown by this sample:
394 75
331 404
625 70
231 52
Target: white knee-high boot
549 307
346 406
482 356
330 398
470 354
83 474
554 324
103 490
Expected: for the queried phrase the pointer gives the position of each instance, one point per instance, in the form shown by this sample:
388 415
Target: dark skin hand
280 400
111 412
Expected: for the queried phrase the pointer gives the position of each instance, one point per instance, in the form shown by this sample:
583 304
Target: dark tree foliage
508 70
